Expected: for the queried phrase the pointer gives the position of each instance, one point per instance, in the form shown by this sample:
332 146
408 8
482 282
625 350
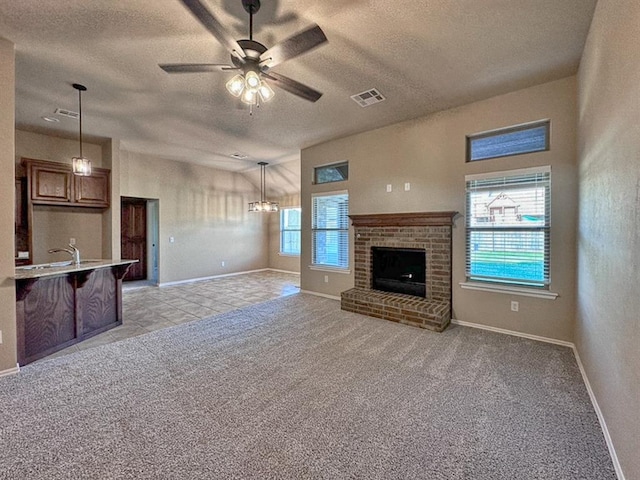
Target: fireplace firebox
399 270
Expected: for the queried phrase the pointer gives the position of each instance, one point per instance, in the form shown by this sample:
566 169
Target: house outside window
508 227
290 231
330 230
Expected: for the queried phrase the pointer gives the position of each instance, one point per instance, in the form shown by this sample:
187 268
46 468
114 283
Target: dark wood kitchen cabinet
53 183
93 190
49 182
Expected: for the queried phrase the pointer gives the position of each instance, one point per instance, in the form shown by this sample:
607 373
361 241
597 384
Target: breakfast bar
63 303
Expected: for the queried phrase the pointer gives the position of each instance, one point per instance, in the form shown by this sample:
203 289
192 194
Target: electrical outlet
222 263
72 241
407 187
326 279
389 188
515 306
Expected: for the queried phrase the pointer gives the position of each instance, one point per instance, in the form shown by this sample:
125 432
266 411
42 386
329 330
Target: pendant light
263 205
81 165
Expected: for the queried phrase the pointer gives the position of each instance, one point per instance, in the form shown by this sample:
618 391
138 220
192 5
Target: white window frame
503 285
285 228
343 233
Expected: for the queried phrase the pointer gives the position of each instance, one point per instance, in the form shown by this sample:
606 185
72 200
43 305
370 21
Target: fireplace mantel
416 219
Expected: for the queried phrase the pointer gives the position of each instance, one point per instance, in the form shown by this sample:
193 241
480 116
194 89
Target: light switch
388 187
171 239
407 187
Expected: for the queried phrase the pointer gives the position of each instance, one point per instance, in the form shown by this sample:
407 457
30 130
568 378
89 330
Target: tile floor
149 308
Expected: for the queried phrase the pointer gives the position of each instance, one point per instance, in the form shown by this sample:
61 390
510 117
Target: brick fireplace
428 231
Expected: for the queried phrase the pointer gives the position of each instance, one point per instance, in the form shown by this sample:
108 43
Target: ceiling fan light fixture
250 97
235 86
252 80
265 91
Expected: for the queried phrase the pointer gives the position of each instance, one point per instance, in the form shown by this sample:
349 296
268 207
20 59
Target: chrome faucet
72 250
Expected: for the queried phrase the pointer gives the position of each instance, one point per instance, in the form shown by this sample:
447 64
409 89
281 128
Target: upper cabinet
53 183
92 191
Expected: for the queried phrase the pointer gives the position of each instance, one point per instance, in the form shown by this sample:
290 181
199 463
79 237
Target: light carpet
296 388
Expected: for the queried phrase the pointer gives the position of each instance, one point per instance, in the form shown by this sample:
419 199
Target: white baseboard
513 332
282 271
585 379
318 294
603 424
233 274
10 371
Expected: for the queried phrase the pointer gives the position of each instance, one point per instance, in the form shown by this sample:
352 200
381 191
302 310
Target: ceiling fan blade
291 86
293 46
215 27
195 67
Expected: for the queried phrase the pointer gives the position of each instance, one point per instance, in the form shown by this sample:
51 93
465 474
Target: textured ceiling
423 55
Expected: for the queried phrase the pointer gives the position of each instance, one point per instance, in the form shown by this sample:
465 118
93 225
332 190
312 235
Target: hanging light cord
80 119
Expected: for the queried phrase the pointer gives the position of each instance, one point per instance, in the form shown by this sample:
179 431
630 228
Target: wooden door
134 236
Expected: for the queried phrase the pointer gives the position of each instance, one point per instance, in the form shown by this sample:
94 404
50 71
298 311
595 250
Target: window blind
509 141
508 227
330 230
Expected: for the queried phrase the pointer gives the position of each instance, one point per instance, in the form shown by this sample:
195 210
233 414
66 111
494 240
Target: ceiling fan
252 58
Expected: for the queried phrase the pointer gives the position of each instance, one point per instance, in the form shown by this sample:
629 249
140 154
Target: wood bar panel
54 312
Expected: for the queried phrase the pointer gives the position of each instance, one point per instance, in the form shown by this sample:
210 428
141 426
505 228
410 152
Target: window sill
511 290
288 254
323 268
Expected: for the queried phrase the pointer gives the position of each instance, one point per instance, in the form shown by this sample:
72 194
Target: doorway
139 225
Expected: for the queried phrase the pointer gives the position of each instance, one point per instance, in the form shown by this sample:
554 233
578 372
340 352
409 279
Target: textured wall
206 212
7 194
429 152
607 329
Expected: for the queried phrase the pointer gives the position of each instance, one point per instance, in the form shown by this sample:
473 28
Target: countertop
51 269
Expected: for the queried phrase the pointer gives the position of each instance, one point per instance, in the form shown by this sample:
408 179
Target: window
532 137
336 172
330 230
290 231
507 224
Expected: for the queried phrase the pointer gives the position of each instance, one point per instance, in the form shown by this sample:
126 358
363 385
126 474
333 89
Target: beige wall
54 226
205 210
429 153
8 355
111 219
608 312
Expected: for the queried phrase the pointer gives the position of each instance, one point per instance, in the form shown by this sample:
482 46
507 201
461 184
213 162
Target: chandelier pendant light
81 165
263 205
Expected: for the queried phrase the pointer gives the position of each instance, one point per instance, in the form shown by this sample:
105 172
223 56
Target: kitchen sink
42 266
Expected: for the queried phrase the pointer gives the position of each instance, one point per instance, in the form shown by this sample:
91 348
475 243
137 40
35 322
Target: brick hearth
430 231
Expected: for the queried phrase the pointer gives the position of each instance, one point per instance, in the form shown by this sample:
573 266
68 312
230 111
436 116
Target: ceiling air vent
369 97
67 113
238 156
